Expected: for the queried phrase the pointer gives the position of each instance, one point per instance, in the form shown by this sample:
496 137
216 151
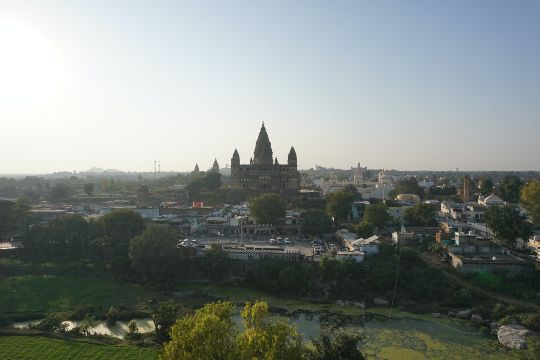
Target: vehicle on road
273 241
287 241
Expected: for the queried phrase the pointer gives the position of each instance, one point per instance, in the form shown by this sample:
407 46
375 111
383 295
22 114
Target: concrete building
470 253
354 255
404 237
369 246
259 253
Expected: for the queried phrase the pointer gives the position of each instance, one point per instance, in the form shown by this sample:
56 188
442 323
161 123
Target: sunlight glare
31 73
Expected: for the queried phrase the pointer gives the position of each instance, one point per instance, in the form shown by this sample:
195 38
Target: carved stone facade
262 175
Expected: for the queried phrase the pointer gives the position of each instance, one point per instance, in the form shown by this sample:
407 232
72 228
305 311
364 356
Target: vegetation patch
43 348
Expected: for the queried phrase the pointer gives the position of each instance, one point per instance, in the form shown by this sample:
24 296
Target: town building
369 246
260 253
354 255
263 174
404 237
470 253
491 200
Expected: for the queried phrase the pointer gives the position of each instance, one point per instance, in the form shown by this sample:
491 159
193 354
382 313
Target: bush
531 321
52 323
133 332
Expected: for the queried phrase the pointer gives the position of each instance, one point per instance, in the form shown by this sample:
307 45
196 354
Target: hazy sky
393 84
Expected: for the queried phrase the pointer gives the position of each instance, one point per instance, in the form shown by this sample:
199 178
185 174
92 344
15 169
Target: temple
263 174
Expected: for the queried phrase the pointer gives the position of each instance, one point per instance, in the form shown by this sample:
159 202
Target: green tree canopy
164 317
364 229
267 209
315 222
59 192
509 188
264 339
119 227
212 334
209 334
421 215
338 204
486 186
210 181
12 215
407 186
377 215
530 199
341 347
153 253
508 224
89 189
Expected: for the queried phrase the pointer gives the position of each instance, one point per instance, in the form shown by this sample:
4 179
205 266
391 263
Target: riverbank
388 333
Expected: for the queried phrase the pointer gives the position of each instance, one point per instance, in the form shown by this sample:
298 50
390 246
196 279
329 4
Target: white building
369 246
491 200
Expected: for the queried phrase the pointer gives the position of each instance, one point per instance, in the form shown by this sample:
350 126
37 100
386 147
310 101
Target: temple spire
263 154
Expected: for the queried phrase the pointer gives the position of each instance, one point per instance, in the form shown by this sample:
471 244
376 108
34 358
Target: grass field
42 348
38 293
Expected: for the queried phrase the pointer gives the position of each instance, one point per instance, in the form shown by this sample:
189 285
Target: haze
405 85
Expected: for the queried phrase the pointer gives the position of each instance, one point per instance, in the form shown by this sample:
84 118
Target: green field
42 348
34 294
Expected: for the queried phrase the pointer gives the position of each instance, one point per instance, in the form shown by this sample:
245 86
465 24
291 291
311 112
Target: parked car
272 241
287 241
317 250
279 240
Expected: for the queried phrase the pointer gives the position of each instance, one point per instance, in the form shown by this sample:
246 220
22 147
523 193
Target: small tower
235 160
196 170
215 166
468 187
291 160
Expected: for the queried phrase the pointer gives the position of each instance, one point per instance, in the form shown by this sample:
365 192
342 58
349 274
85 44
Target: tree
377 215
215 263
59 192
264 339
342 347
349 188
421 215
12 215
508 224
338 204
530 199
509 188
267 209
164 317
315 222
119 227
303 203
209 334
133 331
407 186
486 186
209 182
364 229
153 253
212 181
89 189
